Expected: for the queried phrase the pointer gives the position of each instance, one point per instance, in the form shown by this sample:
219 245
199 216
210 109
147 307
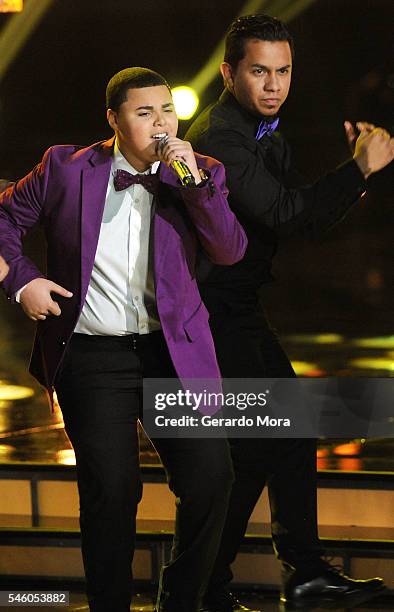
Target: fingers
364 126
349 129
41 316
350 134
373 150
36 299
34 316
174 148
59 290
378 134
391 145
382 132
54 309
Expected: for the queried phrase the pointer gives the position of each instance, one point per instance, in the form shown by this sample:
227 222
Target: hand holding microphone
179 155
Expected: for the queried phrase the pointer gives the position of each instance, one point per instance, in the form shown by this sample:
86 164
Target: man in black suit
239 129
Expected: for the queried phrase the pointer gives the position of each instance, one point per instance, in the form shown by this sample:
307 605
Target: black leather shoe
224 601
331 584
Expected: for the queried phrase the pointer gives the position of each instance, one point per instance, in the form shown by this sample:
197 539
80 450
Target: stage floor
144 602
30 433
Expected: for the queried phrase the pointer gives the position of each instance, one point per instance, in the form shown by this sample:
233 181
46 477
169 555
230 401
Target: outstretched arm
264 198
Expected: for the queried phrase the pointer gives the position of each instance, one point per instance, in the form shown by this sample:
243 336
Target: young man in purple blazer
119 301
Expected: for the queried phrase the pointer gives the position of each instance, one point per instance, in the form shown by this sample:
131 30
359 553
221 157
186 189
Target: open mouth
160 136
161 139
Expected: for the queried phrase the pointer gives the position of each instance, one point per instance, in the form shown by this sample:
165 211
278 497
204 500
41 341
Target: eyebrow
147 107
267 68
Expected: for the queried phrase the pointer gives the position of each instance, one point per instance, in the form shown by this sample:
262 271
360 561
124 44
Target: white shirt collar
119 162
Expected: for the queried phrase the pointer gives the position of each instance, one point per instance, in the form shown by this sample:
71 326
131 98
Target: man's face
261 81
142 120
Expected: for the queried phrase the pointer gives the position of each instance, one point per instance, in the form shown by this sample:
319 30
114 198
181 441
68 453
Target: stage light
11 6
14 392
306 368
315 338
186 101
66 456
373 363
379 342
17 30
351 448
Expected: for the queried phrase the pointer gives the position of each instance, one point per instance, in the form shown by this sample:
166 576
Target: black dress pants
287 466
99 389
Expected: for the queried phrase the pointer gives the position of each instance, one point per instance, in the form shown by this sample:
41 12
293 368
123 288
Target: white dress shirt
121 294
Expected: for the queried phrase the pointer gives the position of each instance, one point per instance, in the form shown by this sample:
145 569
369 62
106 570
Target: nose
272 82
160 118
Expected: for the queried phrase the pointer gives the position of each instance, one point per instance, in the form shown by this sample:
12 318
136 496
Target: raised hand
373 149
351 134
36 299
177 149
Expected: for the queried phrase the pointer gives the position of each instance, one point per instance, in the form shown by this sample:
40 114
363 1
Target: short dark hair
130 78
258 26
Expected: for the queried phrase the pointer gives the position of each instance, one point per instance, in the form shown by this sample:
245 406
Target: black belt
132 339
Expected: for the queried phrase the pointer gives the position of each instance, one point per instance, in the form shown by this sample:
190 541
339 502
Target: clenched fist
176 149
373 149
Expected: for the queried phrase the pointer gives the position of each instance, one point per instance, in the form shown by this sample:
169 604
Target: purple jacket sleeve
20 209
219 232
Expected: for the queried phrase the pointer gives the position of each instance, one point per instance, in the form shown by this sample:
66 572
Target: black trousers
247 349
99 391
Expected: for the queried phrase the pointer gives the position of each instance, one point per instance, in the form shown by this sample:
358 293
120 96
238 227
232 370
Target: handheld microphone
181 169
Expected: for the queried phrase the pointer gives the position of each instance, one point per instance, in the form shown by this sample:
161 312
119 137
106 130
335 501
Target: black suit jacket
262 194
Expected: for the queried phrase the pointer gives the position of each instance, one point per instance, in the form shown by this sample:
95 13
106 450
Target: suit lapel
93 192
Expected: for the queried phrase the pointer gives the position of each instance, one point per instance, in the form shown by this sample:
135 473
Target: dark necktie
123 180
266 127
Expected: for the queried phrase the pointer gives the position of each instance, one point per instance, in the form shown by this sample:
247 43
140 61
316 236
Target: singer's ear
227 74
112 119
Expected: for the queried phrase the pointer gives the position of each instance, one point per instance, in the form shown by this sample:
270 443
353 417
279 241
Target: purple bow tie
266 127
123 180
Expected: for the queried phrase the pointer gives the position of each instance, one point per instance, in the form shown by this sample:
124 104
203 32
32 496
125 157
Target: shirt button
137 200
136 298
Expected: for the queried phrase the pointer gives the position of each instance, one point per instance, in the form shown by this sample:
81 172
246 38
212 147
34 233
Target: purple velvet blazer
66 193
